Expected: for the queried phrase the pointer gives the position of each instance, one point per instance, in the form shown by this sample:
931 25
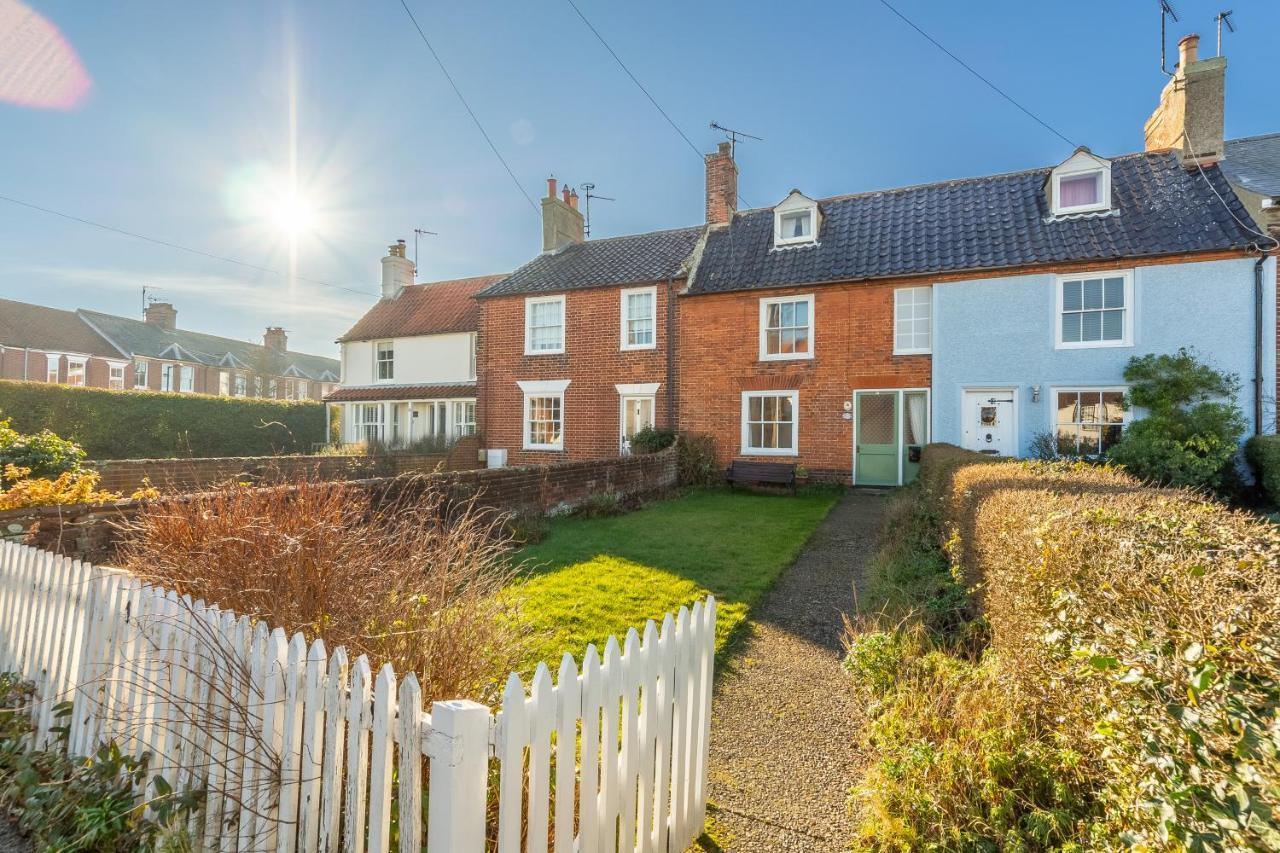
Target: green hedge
1263 453
148 424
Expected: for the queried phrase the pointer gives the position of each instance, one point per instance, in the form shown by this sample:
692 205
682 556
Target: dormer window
796 220
1081 184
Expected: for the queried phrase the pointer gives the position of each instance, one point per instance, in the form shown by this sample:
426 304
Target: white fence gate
297 748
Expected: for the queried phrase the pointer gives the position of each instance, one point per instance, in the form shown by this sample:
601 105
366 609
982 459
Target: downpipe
1257 344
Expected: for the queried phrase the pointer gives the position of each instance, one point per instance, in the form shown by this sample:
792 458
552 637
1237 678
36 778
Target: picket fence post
459 751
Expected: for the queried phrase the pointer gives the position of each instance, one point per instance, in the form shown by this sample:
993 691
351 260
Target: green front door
877 453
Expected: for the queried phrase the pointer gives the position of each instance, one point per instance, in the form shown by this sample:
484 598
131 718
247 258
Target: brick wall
88 532
593 361
185 475
852 346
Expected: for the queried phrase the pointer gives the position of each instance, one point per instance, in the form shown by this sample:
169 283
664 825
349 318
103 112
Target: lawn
594 577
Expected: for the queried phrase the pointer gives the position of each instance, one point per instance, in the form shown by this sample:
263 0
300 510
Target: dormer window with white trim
796 221
1081 184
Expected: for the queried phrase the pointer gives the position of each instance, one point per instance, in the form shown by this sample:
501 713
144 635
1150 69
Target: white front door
989 419
637 413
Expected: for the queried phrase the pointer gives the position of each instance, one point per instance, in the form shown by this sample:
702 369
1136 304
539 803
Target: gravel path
785 718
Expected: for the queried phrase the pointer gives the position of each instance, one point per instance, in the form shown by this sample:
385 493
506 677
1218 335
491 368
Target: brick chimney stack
275 339
1190 117
722 185
562 222
397 271
162 314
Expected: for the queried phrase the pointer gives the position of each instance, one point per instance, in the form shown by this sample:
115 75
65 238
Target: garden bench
755 473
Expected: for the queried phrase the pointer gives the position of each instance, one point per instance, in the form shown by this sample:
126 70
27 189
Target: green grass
594 577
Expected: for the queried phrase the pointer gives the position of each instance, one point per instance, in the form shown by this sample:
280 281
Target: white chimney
397 271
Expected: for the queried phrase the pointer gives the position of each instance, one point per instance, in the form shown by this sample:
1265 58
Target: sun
292 212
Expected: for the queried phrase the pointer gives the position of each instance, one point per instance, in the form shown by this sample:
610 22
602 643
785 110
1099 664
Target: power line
467 106
640 86
966 66
179 247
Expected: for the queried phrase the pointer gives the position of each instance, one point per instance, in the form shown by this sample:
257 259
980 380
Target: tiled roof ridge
972 179
1255 137
463 280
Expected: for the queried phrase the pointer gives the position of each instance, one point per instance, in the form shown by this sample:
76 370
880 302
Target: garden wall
87 532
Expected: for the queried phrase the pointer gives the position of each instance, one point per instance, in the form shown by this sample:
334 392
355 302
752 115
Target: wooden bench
780 473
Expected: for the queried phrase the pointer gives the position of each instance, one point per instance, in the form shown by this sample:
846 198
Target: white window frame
1102 175
52 370
141 370
745 430
471 355
77 367
765 302
901 350
537 389
114 382
224 383
240 385
186 378
625 319
464 417
1084 388
361 424
1129 308
378 361
528 323
304 389
796 202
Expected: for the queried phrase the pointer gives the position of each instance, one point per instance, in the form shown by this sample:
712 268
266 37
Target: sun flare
292 213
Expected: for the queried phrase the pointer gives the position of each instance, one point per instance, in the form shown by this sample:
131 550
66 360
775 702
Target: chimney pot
573 199
1188 50
551 187
565 193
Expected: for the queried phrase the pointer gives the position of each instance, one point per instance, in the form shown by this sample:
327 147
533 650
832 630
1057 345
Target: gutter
1257 344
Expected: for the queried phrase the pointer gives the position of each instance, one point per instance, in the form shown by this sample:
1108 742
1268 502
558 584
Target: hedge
1263 453
1141 624
149 424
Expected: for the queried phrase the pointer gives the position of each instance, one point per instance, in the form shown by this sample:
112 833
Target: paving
786 719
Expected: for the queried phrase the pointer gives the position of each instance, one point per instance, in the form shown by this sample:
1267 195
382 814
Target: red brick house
96 350
575 349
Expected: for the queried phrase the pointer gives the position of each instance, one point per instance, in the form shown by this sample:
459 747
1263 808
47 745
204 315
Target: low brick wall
188 475
87 532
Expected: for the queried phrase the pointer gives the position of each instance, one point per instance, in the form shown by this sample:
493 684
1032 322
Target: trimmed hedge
1139 624
150 425
1263 453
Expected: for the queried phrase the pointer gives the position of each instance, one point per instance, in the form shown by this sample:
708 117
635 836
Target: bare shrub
405 576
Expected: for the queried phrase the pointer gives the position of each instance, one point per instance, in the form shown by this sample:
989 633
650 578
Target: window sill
760 451
644 348
787 357
913 351
1092 345
544 352
551 447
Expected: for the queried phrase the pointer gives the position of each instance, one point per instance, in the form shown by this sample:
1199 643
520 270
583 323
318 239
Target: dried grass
405 576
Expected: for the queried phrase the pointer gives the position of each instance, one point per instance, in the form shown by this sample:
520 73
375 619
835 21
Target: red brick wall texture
593 361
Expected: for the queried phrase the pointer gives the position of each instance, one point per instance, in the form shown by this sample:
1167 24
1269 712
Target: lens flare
38 67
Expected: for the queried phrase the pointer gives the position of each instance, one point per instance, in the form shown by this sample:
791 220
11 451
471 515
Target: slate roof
1254 163
447 391
424 309
635 258
50 329
978 224
147 339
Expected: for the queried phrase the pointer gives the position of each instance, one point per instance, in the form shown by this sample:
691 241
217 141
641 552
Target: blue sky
187 127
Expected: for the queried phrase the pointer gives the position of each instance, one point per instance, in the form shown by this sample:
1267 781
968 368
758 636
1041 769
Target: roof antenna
147 300
733 136
418 232
587 195
1166 12
1223 18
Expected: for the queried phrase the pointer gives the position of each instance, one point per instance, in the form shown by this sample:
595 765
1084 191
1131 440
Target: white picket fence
297 748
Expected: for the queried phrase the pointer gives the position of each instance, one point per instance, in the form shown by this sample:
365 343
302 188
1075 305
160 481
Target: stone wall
88 532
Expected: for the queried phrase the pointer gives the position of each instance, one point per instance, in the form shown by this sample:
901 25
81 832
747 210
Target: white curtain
916 418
